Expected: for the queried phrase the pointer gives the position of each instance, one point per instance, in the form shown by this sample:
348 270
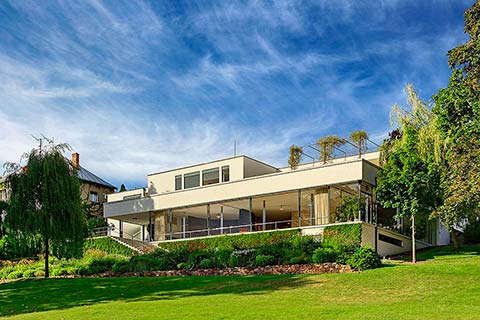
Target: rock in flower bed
314 268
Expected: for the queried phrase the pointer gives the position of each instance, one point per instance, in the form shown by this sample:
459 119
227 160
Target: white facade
241 194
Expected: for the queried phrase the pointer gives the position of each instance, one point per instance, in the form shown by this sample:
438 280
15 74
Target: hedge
108 246
341 236
235 242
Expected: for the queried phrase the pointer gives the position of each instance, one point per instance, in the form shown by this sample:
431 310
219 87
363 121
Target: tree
295 156
327 146
359 138
458 118
45 200
122 188
411 176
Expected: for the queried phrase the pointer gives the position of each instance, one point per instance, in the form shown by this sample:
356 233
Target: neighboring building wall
4 194
101 191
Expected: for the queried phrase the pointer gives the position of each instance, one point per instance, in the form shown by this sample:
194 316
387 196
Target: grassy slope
446 286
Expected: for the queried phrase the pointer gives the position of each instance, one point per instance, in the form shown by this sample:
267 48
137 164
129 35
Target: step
136 245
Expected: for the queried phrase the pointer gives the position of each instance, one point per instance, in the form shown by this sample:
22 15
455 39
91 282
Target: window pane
225 173
191 180
210 176
93 196
178 182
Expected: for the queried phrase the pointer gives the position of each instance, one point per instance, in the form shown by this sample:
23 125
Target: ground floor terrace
300 208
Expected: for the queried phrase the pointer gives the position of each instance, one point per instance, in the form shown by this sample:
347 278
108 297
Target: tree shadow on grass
33 295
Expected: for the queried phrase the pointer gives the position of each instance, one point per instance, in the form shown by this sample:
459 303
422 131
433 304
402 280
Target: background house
94 190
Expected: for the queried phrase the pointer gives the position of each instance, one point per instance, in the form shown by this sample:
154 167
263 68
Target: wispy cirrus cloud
138 86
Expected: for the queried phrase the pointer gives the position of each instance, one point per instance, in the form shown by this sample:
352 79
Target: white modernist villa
241 194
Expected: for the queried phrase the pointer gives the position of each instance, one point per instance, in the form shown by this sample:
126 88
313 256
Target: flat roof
211 162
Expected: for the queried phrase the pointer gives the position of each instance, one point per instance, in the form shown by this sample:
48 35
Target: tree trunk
414 245
47 274
454 237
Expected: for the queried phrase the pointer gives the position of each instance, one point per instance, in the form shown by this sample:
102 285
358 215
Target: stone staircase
136 245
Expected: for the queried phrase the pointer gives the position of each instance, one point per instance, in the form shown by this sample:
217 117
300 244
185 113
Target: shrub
221 257
149 263
234 242
205 264
94 266
265 260
15 274
5 271
322 255
344 253
39 273
340 236
29 273
108 245
472 233
242 258
94 254
121 266
364 258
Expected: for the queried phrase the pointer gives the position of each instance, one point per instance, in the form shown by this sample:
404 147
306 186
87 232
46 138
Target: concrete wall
253 168
385 248
164 182
129 229
118 196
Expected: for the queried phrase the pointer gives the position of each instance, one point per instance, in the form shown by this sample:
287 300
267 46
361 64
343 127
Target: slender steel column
299 202
250 211
312 210
264 216
208 219
143 232
359 188
328 205
120 227
170 223
221 220
150 227
184 227
367 209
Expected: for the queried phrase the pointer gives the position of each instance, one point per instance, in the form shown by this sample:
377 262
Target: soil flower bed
313 268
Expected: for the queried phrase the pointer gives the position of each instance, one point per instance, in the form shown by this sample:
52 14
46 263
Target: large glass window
210 176
225 173
191 180
178 182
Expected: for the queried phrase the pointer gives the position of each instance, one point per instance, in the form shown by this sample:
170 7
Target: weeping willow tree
45 200
411 176
327 146
295 156
359 138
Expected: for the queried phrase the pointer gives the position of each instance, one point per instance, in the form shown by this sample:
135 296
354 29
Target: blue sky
139 87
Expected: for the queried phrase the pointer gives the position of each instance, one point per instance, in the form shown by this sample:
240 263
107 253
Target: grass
446 285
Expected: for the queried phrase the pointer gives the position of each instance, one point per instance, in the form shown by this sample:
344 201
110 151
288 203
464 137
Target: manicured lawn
445 286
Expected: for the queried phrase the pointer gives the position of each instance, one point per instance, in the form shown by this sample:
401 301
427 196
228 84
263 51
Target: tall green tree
410 177
458 118
45 200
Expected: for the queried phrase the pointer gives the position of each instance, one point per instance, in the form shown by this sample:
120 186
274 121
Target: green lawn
444 286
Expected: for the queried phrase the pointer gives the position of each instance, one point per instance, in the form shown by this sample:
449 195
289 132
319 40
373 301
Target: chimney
76 160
